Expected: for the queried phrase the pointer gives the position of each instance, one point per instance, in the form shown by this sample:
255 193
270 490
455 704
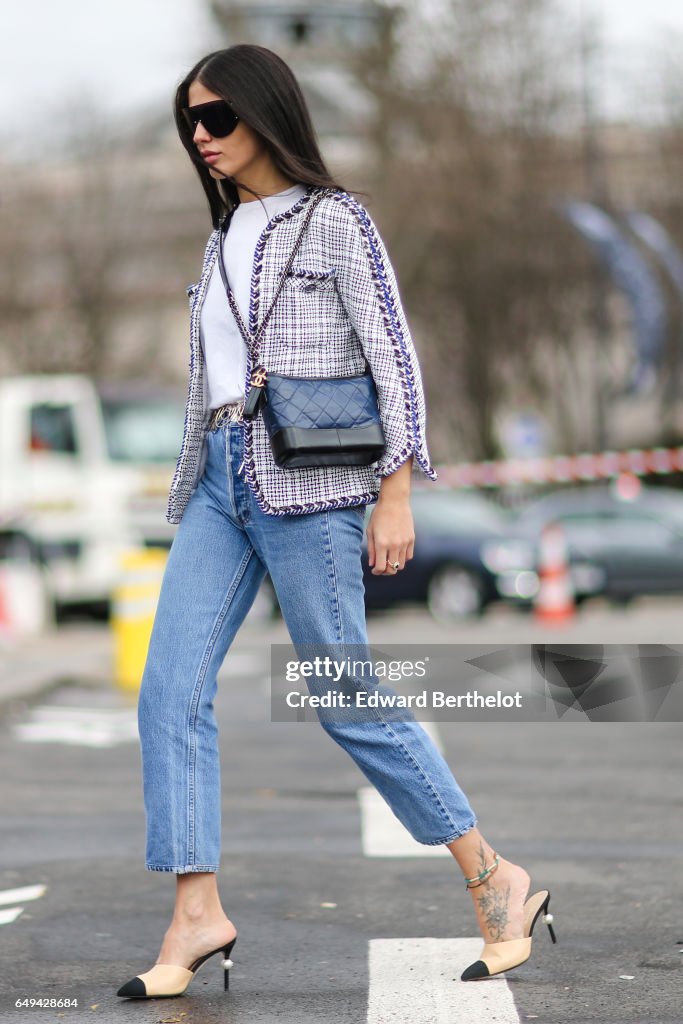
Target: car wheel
454 593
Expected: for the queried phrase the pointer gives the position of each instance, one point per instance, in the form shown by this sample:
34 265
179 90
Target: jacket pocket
311 279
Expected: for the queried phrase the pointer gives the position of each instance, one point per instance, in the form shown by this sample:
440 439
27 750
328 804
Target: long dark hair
262 89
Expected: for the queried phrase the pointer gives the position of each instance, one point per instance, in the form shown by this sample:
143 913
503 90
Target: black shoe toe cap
475 971
133 989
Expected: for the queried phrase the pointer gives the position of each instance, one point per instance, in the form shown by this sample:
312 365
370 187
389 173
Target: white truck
85 470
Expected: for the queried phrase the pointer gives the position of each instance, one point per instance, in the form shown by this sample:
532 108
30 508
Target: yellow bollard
134 602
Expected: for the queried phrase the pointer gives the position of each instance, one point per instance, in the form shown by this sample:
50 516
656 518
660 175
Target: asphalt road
592 810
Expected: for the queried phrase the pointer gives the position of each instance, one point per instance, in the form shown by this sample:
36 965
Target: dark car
446 572
623 540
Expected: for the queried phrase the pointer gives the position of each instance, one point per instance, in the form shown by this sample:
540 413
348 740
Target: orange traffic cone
554 602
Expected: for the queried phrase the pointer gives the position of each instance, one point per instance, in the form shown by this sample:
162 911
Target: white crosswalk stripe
382 833
414 980
21 895
25 893
86 727
10 914
107 727
418 979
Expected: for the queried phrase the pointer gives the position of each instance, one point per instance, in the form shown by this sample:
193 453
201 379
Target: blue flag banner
660 242
632 275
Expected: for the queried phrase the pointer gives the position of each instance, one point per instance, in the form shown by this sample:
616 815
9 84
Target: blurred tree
667 205
90 251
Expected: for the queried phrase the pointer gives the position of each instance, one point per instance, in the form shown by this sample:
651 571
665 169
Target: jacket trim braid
255 295
395 333
181 487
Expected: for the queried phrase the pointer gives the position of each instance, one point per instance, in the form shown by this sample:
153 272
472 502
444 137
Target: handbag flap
320 402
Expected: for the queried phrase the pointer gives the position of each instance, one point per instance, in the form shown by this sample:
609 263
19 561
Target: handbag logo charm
255 395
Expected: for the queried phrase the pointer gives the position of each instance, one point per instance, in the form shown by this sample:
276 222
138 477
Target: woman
243 120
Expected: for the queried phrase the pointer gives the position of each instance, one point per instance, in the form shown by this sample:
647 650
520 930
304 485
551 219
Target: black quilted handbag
323 421
311 421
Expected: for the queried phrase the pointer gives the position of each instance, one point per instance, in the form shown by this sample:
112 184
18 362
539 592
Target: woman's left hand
391 535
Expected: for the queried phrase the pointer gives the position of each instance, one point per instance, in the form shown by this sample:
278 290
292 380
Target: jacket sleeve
369 292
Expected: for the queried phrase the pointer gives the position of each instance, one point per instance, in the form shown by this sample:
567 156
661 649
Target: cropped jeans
220 554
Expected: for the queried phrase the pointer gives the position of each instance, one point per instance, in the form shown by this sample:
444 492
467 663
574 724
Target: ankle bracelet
483 875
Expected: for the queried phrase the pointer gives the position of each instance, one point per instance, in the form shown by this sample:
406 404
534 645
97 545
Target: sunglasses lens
220 122
217 117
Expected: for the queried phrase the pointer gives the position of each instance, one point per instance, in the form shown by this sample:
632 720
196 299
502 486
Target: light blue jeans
220 554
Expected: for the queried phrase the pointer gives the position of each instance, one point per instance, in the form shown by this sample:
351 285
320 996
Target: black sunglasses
218 118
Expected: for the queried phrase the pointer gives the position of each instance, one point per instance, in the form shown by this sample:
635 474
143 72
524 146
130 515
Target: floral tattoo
493 904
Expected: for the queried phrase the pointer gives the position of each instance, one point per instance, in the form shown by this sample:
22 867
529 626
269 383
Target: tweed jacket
340 305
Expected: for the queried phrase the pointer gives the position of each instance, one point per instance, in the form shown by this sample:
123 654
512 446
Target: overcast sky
131 53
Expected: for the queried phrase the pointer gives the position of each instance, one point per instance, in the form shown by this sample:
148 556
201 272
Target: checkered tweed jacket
339 304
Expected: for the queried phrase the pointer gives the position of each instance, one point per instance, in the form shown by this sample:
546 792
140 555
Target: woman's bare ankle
197 900
199 917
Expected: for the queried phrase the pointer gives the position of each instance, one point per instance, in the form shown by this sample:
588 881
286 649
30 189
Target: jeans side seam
332 576
199 683
231 500
410 758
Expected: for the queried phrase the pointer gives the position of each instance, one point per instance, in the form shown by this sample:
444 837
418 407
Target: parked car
446 572
620 545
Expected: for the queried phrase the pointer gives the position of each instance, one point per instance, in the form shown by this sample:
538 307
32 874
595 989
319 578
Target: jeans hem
182 869
425 778
449 839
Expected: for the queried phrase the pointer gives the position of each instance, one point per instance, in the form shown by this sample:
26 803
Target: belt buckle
231 412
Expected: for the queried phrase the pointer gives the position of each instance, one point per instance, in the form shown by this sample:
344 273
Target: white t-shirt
225 352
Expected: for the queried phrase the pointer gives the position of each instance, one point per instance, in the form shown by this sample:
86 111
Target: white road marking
85 727
107 727
9 915
27 892
414 980
382 833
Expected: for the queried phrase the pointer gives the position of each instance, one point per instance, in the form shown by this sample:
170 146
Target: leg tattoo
494 909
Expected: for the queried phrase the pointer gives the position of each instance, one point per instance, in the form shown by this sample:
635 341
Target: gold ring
394 565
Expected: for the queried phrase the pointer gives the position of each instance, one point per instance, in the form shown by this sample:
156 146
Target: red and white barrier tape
561 468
